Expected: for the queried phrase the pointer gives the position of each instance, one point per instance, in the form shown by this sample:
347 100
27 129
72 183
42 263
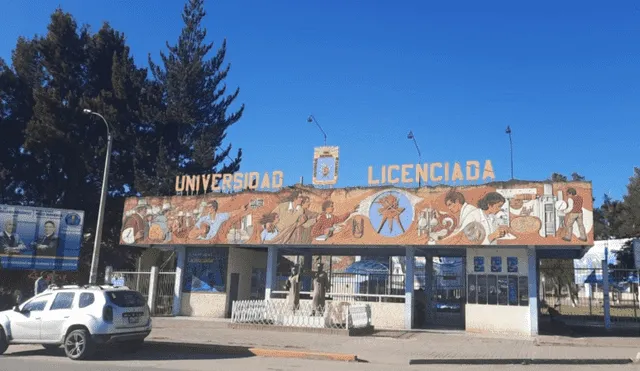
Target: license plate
134 319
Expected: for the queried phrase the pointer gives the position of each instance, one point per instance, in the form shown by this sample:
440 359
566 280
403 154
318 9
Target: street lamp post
508 131
93 275
313 119
410 136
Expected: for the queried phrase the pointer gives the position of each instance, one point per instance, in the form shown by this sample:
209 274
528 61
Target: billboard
496 214
40 238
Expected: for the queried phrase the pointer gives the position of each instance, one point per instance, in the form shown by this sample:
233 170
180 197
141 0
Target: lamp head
310 118
410 135
508 131
86 111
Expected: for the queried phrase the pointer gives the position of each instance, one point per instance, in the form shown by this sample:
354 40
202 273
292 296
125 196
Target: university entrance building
429 257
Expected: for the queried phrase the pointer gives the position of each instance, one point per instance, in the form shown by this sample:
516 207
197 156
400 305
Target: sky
564 76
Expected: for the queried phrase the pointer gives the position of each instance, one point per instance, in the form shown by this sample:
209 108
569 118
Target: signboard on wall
325 165
547 214
40 238
206 269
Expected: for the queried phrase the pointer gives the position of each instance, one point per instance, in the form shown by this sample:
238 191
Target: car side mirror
16 308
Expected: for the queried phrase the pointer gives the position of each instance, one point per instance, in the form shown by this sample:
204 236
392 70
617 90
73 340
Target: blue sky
564 75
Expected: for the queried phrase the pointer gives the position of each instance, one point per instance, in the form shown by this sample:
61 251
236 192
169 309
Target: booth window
492 289
206 269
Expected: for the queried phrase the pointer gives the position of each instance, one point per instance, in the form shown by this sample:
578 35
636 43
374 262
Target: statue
293 286
320 285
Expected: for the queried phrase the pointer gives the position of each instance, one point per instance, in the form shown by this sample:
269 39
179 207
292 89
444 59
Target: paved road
28 358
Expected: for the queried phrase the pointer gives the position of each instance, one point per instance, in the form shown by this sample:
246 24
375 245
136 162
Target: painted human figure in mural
299 232
468 217
326 222
133 230
212 219
289 210
293 287
269 224
491 204
573 215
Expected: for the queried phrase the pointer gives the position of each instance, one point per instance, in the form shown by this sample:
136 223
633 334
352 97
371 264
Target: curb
521 361
258 352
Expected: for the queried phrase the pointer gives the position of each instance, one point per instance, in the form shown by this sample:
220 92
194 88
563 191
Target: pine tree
192 126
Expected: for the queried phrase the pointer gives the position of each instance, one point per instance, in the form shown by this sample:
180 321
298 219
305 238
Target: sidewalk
397 348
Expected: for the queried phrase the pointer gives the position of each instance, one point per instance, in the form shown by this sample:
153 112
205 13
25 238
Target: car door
25 324
54 317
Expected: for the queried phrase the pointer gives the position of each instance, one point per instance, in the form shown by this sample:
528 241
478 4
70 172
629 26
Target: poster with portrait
512 264
478 264
496 264
40 238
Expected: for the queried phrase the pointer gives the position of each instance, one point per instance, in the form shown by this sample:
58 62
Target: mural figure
573 215
269 224
469 220
299 232
320 285
210 221
133 230
491 204
289 210
293 286
327 222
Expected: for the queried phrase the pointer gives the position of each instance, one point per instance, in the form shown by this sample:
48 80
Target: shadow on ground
571 327
153 351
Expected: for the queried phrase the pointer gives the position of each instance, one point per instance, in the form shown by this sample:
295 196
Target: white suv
79 318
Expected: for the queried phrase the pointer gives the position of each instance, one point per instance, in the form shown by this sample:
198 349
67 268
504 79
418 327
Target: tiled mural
491 214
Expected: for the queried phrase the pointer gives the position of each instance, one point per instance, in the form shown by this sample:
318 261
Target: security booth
461 257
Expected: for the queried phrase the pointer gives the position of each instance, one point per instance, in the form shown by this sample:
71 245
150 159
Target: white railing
336 315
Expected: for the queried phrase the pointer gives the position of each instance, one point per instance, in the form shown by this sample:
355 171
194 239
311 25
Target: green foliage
52 154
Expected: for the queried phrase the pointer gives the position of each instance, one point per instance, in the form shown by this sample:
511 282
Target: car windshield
126 299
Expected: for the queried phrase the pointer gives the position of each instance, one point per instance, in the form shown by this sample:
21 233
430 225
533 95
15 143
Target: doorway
445 292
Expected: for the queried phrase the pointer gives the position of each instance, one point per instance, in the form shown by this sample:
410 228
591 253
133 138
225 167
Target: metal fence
336 315
141 282
352 287
579 295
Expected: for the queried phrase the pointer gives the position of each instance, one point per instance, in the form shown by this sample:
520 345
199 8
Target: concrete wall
498 318
203 304
387 315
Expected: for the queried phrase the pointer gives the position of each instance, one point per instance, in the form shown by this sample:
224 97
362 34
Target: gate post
409 287
605 295
153 292
177 287
108 271
272 266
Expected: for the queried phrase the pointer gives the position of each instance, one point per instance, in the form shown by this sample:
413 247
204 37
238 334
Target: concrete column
410 263
181 256
429 282
532 264
606 300
153 291
272 268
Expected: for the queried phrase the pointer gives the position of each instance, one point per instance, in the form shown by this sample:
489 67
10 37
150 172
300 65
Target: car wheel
78 345
131 346
4 344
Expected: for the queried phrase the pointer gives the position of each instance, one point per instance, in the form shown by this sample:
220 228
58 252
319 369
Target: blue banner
206 269
40 238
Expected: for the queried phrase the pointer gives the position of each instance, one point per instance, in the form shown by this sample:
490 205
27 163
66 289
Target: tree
194 115
53 153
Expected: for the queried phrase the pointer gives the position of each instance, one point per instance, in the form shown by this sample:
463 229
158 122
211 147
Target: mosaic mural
491 214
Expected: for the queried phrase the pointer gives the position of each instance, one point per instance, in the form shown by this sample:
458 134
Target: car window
126 299
86 299
63 300
36 305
